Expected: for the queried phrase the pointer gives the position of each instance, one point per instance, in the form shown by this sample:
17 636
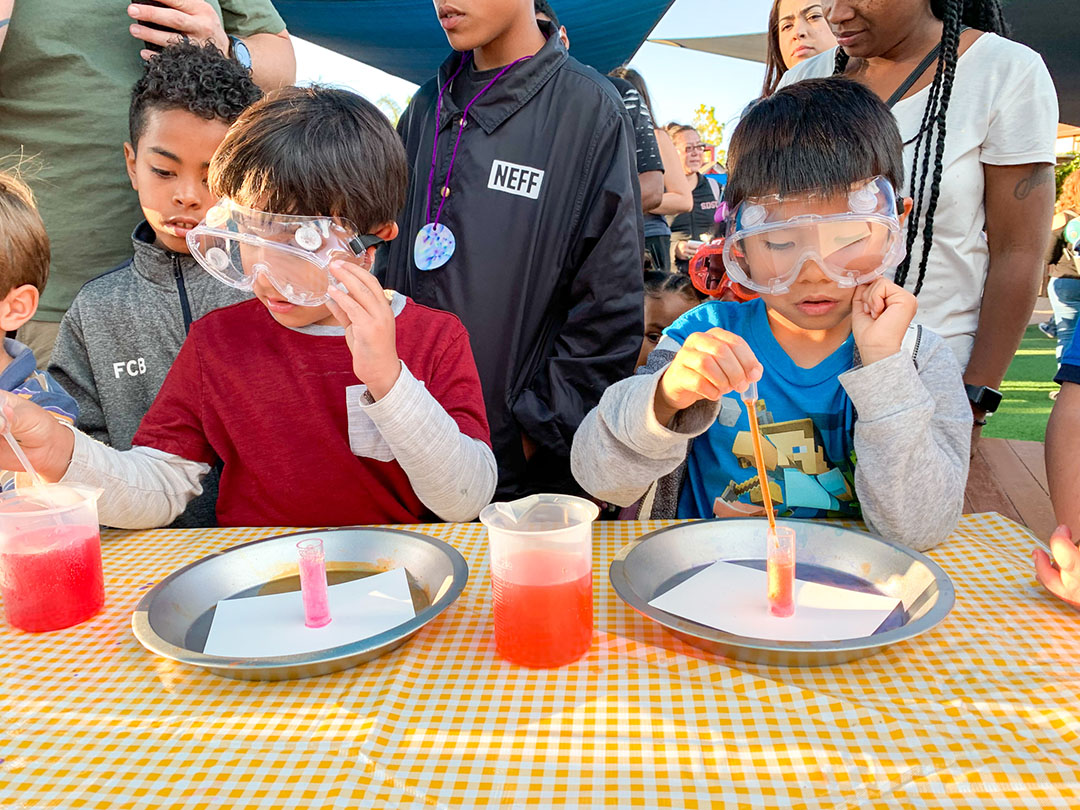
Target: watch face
240 52
983 397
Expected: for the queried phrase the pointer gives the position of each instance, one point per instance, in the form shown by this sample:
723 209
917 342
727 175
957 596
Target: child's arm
641 429
913 432
70 367
142 488
452 473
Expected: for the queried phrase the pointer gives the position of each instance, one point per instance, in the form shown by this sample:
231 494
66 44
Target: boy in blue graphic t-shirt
861 413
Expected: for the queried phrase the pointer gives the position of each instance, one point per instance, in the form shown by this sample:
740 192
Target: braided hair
955 15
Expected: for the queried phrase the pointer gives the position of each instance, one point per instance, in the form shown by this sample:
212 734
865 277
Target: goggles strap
360 244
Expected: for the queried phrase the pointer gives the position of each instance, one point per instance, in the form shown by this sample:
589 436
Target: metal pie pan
653 564
173 618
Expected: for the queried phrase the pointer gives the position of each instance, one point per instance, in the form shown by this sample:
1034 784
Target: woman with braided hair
978 116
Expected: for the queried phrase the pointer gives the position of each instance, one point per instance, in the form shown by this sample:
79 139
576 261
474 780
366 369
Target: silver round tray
658 561
174 617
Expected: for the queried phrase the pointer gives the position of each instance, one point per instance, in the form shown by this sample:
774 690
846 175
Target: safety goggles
235 244
709 276
853 238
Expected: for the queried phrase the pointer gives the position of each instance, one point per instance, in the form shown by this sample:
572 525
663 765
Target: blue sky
679 80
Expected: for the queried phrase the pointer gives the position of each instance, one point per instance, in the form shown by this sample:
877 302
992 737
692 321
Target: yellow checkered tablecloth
984 711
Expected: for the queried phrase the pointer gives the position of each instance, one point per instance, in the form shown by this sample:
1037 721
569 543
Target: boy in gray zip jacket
124 329
861 414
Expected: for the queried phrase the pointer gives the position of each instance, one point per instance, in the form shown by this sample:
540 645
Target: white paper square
273 625
734 598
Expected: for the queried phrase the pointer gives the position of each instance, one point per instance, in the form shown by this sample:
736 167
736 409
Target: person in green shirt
66 71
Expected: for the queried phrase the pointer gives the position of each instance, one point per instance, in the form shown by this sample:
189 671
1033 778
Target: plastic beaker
50 556
541 578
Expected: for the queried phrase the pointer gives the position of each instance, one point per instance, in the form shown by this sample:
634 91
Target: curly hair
193 77
1069 198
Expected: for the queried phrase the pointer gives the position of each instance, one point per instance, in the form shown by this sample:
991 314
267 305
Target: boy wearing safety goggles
862 414
327 400
122 332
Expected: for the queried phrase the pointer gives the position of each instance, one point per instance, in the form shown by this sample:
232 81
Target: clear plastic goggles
235 244
853 238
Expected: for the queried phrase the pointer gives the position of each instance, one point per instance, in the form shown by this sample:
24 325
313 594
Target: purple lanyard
461 129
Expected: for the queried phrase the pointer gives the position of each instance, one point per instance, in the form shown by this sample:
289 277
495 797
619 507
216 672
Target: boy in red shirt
327 400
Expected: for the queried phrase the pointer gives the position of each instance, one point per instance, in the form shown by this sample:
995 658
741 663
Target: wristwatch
239 51
983 397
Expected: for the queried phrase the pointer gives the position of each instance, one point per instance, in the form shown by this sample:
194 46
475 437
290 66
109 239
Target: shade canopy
750 47
1051 27
403 37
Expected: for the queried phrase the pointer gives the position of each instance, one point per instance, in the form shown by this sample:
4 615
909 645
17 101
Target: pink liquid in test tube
781 569
313 583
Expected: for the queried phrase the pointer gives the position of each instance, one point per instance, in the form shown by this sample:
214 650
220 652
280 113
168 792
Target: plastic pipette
780 554
749 398
16 448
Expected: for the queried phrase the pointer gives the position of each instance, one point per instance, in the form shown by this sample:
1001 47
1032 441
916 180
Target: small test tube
313 582
781 569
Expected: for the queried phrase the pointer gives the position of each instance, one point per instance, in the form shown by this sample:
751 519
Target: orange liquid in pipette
759 462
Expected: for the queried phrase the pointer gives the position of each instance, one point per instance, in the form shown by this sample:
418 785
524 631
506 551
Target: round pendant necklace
435 243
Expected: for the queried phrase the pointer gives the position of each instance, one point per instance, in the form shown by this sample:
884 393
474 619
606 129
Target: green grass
1026 404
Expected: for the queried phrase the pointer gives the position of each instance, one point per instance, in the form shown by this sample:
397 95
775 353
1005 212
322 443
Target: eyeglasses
695 147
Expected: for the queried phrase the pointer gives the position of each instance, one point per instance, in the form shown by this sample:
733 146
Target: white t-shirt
1003 112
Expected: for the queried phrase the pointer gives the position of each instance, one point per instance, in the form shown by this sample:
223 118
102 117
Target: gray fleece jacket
120 337
912 441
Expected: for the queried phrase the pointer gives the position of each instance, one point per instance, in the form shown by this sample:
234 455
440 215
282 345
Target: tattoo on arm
1042 174
5 21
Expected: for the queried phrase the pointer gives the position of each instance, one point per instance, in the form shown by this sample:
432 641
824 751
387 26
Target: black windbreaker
547 272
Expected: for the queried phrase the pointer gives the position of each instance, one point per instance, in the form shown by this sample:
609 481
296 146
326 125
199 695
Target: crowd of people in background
530 230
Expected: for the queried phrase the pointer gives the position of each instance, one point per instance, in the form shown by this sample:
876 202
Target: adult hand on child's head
46 442
195 19
370 331
1063 581
881 312
709 365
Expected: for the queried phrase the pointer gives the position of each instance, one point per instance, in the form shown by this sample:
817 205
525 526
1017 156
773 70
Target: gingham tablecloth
982 712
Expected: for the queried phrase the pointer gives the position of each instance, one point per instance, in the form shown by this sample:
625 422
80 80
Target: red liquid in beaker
51 578
781 588
539 621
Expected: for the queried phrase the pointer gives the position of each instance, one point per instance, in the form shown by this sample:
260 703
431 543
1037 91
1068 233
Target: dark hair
544 7
314 151
635 79
774 60
984 15
814 134
192 77
657 282
24 245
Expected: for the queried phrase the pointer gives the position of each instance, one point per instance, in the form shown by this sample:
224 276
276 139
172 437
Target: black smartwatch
239 51
983 397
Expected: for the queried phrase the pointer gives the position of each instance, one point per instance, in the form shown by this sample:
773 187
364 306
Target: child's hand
369 326
709 365
1063 581
881 312
46 442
